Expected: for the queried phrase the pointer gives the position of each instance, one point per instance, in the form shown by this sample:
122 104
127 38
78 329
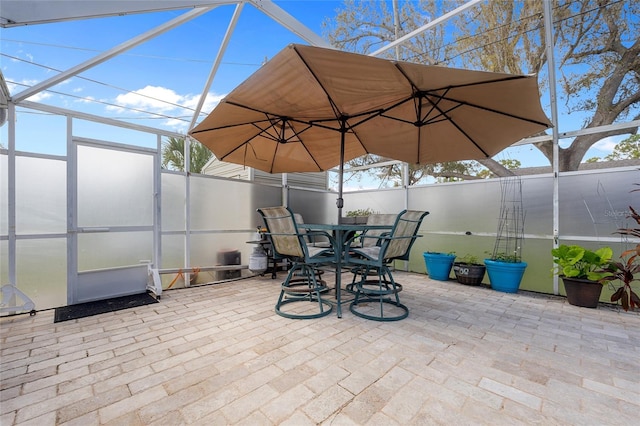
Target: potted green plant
581 270
357 216
439 264
469 270
505 267
505 272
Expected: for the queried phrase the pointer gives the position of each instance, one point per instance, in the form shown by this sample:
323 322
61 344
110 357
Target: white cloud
29 56
209 103
161 100
150 98
37 97
86 100
29 82
607 144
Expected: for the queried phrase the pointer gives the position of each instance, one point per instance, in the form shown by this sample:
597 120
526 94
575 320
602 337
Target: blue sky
172 67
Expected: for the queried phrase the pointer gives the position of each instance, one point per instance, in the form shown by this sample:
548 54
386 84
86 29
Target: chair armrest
318 233
390 238
304 235
382 235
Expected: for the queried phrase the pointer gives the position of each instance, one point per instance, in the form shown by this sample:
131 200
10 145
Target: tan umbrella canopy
310 109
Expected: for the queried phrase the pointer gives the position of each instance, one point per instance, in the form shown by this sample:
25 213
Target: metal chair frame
360 271
302 282
394 246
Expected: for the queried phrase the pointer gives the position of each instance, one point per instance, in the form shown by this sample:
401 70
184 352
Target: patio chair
314 240
373 219
373 295
302 284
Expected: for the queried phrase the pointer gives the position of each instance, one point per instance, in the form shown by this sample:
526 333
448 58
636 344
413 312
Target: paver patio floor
218 354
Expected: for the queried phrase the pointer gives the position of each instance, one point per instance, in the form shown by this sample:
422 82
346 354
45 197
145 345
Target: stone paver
218 355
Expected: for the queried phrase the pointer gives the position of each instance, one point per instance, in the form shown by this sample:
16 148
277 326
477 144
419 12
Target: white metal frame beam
551 67
216 63
581 132
109 54
97 119
15 13
425 27
289 22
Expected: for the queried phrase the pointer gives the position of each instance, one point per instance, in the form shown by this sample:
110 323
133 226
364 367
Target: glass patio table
341 233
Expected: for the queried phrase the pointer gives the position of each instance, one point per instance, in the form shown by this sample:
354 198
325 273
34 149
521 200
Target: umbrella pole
340 200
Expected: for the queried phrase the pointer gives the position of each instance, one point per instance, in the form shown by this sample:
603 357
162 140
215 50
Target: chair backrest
406 225
300 221
283 231
378 219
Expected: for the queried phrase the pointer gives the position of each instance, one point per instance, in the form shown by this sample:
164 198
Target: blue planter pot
438 265
505 276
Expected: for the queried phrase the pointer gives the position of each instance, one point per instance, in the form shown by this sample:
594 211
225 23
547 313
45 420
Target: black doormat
88 309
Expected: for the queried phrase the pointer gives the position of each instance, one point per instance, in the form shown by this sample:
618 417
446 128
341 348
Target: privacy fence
72 224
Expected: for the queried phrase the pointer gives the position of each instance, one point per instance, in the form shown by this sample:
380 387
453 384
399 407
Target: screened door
113 224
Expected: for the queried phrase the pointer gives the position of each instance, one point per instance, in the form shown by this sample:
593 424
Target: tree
173 155
626 150
451 171
364 26
597 46
392 174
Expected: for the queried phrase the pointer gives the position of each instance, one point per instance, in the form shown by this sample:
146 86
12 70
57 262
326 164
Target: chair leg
379 291
305 289
302 279
311 276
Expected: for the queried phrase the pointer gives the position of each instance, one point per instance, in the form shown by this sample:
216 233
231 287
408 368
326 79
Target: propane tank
258 260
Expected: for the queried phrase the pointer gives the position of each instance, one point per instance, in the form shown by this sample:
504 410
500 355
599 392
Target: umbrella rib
339 115
334 107
495 111
280 137
424 95
271 118
244 146
507 77
229 126
317 123
444 114
296 134
432 92
368 115
434 106
264 132
485 82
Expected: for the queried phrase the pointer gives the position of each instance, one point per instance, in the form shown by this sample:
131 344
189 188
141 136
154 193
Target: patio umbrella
310 109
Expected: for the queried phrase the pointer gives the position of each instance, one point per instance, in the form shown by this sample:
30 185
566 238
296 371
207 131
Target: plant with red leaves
625 270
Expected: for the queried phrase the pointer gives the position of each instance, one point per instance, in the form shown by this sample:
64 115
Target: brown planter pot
582 292
469 273
357 220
